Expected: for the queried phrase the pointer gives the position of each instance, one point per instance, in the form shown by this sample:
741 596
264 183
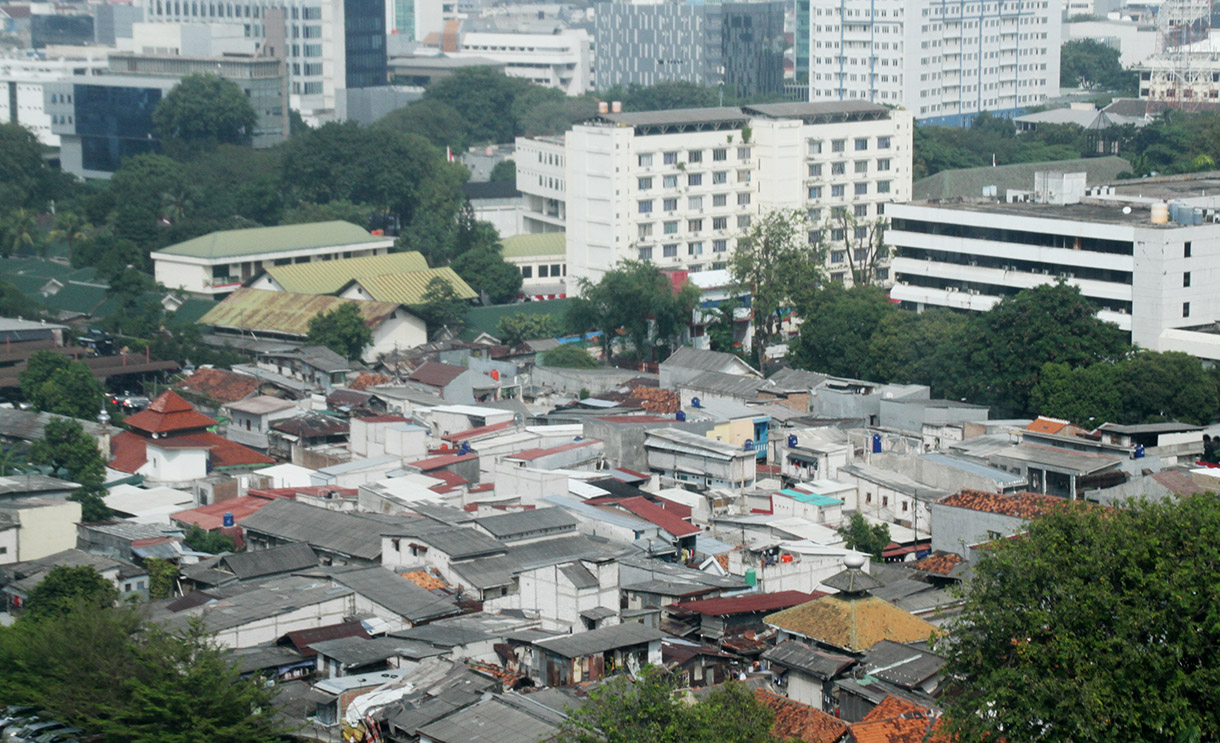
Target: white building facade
22 81
562 60
678 188
1154 280
943 62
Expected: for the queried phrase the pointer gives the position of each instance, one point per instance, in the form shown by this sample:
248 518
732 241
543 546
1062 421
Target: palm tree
175 205
20 231
12 462
70 227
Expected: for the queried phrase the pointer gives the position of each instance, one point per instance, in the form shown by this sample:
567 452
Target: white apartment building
1152 276
22 81
942 61
679 187
561 60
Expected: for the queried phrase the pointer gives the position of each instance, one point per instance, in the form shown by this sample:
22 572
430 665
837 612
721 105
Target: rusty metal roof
286 312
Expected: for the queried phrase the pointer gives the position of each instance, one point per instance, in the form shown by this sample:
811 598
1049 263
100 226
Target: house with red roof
169 442
715 619
681 532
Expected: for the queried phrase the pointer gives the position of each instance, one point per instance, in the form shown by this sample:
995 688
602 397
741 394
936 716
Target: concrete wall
529 484
954 529
934 474
572 381
41 531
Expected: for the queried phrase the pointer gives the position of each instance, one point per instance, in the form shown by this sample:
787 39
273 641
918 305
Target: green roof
191 310
285 312
328 277
814 498
970 182
487 319
256 240
545 244
409 287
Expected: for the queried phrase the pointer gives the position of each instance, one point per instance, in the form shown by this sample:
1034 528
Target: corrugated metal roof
285 312
328 277
282 238
535 246
409 287
601 640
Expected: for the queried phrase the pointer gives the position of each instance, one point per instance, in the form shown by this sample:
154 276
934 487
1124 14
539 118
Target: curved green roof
537 245
282 238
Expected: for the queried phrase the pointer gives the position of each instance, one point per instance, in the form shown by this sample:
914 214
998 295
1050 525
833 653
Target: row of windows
545 270
859 167
670 250
645 183
839 190
997 290
859 144
1022 237
720 154
644 206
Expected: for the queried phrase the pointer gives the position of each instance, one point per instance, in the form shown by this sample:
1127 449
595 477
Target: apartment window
743 221
527 272
815 170
883 143
720 176
646 254
814 215
720 199
861 189
645 206
860 254
695 248
1186 309
720 246
645 184
670 251
694 225
838 256
670 205
670 227
720 223
543 272
695 202
837 234
861 167
838 191
645 230
1186 279
883 186
720 154
868 497
743 198
743 176
669 181
838 168
694 156
904 505
860 210
885 501
815 192
671 158
814 237
719 266
1186 250
645 161
815 147
554 269
883 164
838 145
743 153
861 144
694 179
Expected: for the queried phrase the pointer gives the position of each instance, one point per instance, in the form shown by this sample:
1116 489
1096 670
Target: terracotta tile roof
424 579
895 720
800 721
129 452
1021 505
366 380
211 516
854 625
651 512
655 400
939 563
220 385
435 373
168 413
894 706
1042 424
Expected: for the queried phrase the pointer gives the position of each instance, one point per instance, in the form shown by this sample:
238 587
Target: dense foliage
865 537
342 330
205 109
1097 625
570 357
74 455
635 300
1088 63
212 542
66 589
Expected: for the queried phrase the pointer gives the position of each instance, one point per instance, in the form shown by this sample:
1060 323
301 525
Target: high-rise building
680 187
22 80
738 44
330 46
944 62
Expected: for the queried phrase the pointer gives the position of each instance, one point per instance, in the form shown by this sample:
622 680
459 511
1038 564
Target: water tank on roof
680 416
876 443
792 441
694 402
749 444
465 447
751 577
1139 451
228 519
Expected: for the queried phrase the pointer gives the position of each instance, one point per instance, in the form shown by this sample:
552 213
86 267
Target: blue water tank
1139 451
749 444
680 416
228 519
876 443
465 448
792 441
694 402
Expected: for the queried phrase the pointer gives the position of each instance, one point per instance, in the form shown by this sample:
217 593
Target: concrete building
1135 42
965 520
703 462
542 261
943 63
33 528
219 262
679 187
1152 276
560 60
330 46
22 81
737 45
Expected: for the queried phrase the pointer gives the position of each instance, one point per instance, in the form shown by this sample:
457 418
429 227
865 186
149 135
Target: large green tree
1088 63
1097 625
442 307
862 536
211 542
205 109
775 265
521 326
835 339
434 120
635 299
569 356
66 589
486 271
25 178
55 384
70 452
342 330
484 99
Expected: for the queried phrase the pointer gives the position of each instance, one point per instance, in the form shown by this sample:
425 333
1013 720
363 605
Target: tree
162 577
775 265
68 450
442 307
71 228
836 337
864 244
66 589
20 234
342 330
720 329
434 120
72 391
649 708
1097 624
569 356
520 326
38 369
138 189
1088 63
212 542
486 271
483 98
205 109
635 299
1173 386
25 179
1087 396
341 211
505 170
865 537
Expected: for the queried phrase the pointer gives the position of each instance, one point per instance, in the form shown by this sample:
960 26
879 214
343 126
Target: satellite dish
1126 210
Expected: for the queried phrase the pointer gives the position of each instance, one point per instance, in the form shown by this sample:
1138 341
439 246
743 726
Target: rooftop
540 245
970 182
436 373
1021 505
749 603
285 312
219 385
410 287
260 240
328 277
212 516
1059 459
853 624
796 721
261 405
168 413
798 655
650 512
398 594
332 531
509 525
601 640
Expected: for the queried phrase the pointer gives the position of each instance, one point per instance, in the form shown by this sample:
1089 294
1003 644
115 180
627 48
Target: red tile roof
895 720
940 563
651 512
366 380
1042 424
435 373
1022 505
680 510
128 451
303 638
894 706
452 480
220 385
211 516
476 432
747 604
168 413
444 460
800 721
530 455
